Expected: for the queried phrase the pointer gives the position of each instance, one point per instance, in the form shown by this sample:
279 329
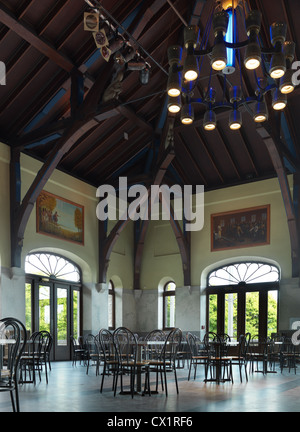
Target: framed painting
60 218
240 228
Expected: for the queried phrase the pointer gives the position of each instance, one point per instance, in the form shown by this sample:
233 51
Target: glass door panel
44 308
62 319
272 312
213 317
252 313
28 307
230 326
76 314
61 314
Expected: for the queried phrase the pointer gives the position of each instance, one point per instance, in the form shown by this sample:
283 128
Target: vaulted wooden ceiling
48 56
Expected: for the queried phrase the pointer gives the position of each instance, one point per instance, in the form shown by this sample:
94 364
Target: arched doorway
243 297
53 299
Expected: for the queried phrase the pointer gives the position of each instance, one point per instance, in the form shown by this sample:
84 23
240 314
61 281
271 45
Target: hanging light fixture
235 117
190 68
174 104
279 100
271 63
253 53
210 118
278 62
174 80
286 82
260 112
187 114
219 53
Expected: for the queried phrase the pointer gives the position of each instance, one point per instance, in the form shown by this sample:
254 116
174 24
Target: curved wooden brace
276 158
79 125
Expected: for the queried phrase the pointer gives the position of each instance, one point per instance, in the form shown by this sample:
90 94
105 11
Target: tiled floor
71 390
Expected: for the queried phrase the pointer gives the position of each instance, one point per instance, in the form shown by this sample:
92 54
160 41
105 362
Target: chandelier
274 64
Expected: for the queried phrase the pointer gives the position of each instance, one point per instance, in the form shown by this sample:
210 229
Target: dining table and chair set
141 365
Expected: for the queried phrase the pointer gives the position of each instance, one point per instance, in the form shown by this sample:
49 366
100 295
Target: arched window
169 305
52 266
243 297
111 306
53 299
243 273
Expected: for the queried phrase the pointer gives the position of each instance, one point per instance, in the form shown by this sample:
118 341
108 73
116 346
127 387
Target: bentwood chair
195 357
219 364
242 358
288 355
154 342
78 351
109 353
36 357
13 339
93 352
166 362
129 358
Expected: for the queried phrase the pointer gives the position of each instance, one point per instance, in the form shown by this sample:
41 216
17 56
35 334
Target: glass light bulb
235 126
174 108
252 63
174 92
260 118
288 88
277 73
190 75
218 64
187 120
210 126
279 105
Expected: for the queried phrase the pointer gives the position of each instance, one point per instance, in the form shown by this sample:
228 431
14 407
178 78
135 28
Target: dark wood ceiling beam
79 155
41 133
193 160
107 154
22 85
248 150
128 112
26 32
229 153
211 159
129 153
291 34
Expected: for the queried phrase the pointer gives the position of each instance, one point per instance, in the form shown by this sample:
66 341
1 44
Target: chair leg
102 380
190 370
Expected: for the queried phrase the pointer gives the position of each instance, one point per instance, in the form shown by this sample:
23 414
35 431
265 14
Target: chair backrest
153 350
91 344
244 341
107 345
126 345
171 346
13 329
192 343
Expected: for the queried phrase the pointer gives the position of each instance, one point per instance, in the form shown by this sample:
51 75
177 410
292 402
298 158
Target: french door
243 309
57 310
